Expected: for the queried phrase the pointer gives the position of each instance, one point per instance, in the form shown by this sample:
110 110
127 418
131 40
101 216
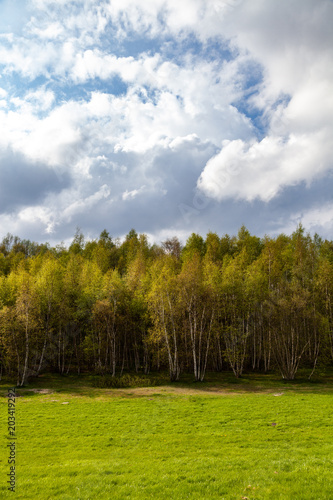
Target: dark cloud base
26 184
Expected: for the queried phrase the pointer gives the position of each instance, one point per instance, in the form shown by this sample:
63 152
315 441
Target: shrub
127 380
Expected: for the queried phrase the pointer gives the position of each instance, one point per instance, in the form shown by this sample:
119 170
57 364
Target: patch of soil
41 391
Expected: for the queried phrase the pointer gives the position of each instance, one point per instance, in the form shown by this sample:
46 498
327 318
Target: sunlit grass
164 445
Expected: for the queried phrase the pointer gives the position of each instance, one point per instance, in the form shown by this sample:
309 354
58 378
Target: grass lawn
210 440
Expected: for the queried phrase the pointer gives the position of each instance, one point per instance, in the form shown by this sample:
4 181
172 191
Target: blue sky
165 116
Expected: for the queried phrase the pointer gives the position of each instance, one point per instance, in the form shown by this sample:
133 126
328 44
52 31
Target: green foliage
194 245
77 244
239 303
127 380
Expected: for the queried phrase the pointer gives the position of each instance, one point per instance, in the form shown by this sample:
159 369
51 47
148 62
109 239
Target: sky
166 116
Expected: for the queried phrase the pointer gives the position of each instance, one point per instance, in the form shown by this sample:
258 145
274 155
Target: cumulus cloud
134 105
132 194
262 169
296 145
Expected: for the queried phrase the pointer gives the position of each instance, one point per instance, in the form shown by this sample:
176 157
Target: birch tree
236 310
165 311
197 302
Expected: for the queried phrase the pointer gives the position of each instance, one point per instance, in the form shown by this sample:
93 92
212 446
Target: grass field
254 438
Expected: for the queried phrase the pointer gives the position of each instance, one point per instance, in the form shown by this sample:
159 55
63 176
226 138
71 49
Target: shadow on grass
92 386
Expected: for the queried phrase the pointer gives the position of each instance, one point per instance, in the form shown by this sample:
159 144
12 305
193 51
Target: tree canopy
217 303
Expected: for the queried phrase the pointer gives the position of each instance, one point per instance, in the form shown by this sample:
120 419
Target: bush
127 380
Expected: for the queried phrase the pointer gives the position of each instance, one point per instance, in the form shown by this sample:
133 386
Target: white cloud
316 219
73 203
296 147
179 99
54 139
52 31
158 17
179 142
262 169
159 236
39 214
41 100
132 194
83 204
29 58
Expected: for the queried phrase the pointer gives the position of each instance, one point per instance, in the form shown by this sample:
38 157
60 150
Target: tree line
220 303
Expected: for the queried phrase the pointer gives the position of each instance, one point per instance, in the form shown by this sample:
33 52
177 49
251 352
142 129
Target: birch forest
238 303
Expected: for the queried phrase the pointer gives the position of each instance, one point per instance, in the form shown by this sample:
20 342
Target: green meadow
252 438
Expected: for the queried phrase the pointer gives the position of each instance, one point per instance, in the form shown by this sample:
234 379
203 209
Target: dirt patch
172 390
41 391
138 392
